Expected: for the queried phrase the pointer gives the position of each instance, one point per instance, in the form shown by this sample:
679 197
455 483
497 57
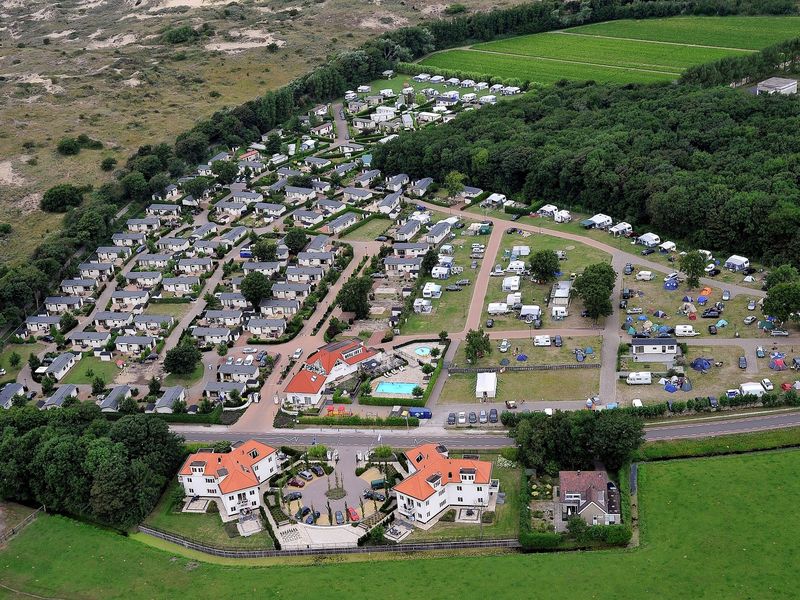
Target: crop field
620 51
710 528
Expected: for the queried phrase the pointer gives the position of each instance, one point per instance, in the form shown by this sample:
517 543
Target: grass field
710 528
24 351
620 51
89 367
185 380
176 310
368 231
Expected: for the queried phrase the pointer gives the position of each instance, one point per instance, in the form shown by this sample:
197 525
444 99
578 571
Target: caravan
639 378
541 341
685 331
498 308
645 276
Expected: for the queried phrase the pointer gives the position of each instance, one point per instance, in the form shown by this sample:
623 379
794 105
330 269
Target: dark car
628 268
317 470
493 416
473 418
489 323
339 517
640 335
373 495
626 293
511 230
294 481
451 419
622 304
47 338
516 217
710 313
381 238
302 513
713 272
712 329
291 496
742 362
557 341
647 252
453 288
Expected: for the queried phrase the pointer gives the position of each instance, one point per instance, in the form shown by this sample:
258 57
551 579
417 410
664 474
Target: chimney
219 459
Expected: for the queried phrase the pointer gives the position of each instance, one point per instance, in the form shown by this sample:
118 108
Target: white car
767 384
504 345
249 350
462 418
710 268
239 360
248 360
673 275
297 353
636 403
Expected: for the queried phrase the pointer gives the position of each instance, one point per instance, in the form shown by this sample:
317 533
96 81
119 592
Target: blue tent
631 330
702 299
589 350
671 285
671 388
659 313
579 356
687 299
722 323
701 364
663 329
642 317
629 319
522 357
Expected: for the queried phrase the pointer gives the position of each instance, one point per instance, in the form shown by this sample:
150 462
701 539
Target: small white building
486 385
777 85
663 350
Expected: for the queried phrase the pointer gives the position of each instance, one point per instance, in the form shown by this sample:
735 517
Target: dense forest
23 287
75 461
716 167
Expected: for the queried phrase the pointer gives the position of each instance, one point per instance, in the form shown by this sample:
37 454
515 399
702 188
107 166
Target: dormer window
253 453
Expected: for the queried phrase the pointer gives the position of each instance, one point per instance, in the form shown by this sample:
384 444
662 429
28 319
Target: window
230 498
458 488
209 480
419 503
460 499
252 492
480 489
191 491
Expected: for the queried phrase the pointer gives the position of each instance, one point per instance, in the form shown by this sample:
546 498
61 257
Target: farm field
624 51
705 530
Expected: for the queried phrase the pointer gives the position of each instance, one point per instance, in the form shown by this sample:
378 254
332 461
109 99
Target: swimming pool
422 351
395 387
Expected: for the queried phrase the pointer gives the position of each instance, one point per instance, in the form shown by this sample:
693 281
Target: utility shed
486 385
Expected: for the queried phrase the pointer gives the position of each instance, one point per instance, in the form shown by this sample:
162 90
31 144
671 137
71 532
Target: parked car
373 495
710 313
751 305
483 417
239 361
379 275
462 418
511 404
628 268
249 350
779 333
302 513
742 362
463 282
767 385
504 345
760 352
339 517
474 264
297 353
353 514
453 288
671 276
557 341
511 230
623 304
712 329
473 418
750 319
317 470
647 251
229 360
294 481
381 238
636 310
493 416
451 419
710 267
307 475
726 295
489 323
714 272
292 496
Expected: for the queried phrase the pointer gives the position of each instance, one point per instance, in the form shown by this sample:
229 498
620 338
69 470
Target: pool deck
412 374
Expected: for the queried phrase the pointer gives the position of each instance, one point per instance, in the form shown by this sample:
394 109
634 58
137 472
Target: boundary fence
523 368
12 531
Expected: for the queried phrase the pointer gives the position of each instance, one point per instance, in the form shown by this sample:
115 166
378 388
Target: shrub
487 517
539 541
68 146
108 163
511 453
448 517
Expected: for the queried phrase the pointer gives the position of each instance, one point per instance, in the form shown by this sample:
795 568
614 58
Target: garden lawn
185 380
89 367
368 231
579 256
24 351
722 521
506 523
536 355
531 386
176 310
206 528
450 311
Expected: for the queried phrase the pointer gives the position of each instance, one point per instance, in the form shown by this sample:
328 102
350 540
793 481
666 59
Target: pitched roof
234 468
431 461
591 485
305 382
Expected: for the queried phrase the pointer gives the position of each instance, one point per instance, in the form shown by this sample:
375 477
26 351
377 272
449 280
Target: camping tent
701 300
687 298
671 285
701 364
660 314
589 350
579 355
686 386
688 307
766 325
671 388
486 386
522 357
777 364
722 323
706 291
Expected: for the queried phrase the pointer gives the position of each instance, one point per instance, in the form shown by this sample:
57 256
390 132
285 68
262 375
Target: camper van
685 331
751 388
644 276
639 378
498 308
541 340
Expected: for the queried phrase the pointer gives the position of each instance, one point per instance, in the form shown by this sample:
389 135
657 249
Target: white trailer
639 378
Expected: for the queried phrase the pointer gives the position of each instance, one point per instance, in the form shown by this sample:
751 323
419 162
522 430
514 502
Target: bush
448 517
487 517
68 146
539 541
510 453
355 420
371 401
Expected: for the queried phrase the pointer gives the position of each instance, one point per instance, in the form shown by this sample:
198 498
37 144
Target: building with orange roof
333 362
437 482
235 479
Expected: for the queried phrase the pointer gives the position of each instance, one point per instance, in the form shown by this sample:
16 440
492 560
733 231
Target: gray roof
304 270
270 207
78 282
9 391
333 204
439 229
232 204
423 183
105 315
401 260
186 279
290 189
223 314
409 226
163 256
144 221
134 275
204 230
129 294
61 394
113 250
367 175
211 244
169 396
45 319
88 335
226 369
141 340
210 331
235 233
128 236
247 194
314 160
411 246
318 243
323 256
391 199
279 303
59 362
114 397
223 386
194 261
291 287
153 319
398 179
170 241
277 186
258 322
164 207
345 167
62 300
99 266
231 296
343 220
361 192
261 265
307 214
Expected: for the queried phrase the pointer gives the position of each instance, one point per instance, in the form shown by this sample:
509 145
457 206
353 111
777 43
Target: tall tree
692 263
782 274
783 301
225 170
354 296
476 344
255 287
183 358
454 183
61 197
544 265
295 239
265 250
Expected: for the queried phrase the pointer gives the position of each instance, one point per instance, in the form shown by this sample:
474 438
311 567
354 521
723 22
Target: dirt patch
115 41
35 79
383 22
8 176
434 9
239 41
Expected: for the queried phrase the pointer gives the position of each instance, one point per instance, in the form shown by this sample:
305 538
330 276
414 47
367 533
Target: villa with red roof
333 362
235 479
437 482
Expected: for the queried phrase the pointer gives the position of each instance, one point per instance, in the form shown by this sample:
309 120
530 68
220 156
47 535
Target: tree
14 359
428 262
783 301
782 274
295 239
108 163
616 436
692 263
454 183
435 352
477 344
128 406
48 384
304 181
255 287
182 359
544 265
98 385
225 170
34 362
153 386
354 296
134 186
318 451
67 322
265 250
443 336
596 300
197 187
383 454
222 348
68 146
417 392
61 197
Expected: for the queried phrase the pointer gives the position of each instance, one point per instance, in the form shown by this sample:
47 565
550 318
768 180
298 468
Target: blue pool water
422 351
395 387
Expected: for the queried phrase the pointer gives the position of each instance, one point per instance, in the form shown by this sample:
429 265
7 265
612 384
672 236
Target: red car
352 514
297 482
